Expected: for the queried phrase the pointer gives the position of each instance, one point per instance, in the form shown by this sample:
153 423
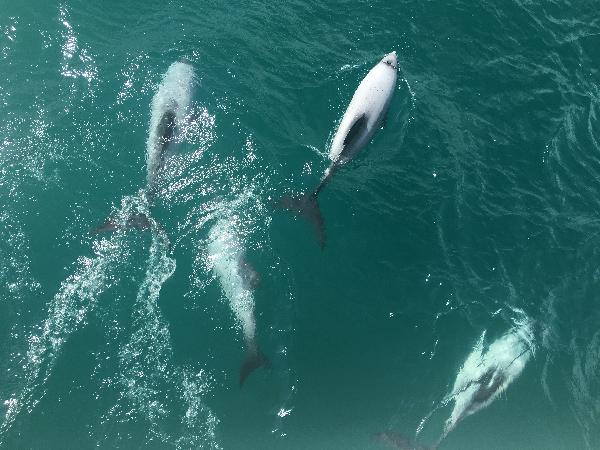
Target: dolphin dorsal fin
355 130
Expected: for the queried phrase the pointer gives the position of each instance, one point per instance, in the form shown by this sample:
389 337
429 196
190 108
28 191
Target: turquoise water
476 205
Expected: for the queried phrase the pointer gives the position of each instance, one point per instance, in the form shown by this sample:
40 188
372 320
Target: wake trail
67 312
148 376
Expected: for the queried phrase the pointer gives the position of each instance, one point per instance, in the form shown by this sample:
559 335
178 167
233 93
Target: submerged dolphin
237 279
398 441
487 373
361 120
169 108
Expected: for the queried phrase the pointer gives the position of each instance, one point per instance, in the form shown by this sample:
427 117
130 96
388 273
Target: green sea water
476 203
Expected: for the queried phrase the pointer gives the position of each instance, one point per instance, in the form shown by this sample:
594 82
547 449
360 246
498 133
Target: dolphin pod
362 119
487 371
169 109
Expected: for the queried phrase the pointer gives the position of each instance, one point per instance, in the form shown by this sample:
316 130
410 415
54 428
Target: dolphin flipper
254 359
308 207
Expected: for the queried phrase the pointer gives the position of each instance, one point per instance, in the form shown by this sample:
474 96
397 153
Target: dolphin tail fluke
138 221
400 441
254 360
109 225
307 206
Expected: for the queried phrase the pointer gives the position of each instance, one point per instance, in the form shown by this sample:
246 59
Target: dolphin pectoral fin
307 206
254 360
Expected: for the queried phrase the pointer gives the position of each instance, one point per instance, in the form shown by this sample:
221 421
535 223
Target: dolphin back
169 108
238 279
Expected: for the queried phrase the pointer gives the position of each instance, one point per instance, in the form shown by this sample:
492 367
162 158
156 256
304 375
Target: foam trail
67 312
147 373
144 358
198 420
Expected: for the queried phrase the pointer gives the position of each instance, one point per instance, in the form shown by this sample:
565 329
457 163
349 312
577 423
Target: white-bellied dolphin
170 106
487 372
238 279
361 120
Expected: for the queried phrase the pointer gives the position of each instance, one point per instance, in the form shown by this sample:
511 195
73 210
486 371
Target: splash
67 312
77 62
148 377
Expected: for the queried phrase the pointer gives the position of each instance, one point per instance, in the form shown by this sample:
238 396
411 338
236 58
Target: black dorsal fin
355 130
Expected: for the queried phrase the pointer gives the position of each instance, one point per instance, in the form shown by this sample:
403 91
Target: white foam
77 62
148 377
67 311
148 350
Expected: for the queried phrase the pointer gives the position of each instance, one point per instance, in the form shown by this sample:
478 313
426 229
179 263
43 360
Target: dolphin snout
391 60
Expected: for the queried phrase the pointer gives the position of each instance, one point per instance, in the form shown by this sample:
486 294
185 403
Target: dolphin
238 279
169 108
487 372
361 120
